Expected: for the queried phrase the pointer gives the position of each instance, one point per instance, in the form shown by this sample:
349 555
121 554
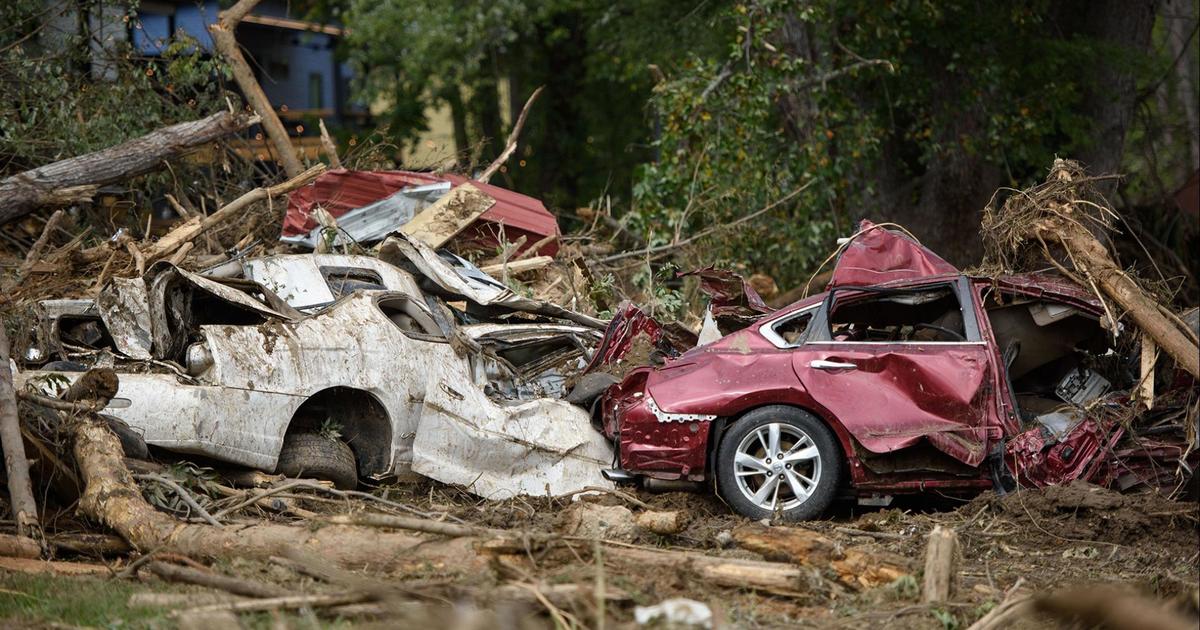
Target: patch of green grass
79 601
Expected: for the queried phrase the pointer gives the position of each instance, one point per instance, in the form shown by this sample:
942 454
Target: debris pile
408 372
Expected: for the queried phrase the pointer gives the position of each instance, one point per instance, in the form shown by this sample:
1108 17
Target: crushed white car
342 368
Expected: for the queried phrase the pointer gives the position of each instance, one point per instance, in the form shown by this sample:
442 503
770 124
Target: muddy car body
920 382
213 369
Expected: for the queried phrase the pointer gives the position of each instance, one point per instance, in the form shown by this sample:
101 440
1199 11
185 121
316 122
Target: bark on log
663 523
24 192
735 573
16 463
941 557
226 44
856 567
112 498
1093 260
19 547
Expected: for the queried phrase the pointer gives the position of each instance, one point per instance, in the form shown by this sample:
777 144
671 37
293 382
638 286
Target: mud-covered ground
1040 541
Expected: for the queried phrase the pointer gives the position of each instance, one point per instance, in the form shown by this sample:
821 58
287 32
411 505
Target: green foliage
845 92
90 602
62 98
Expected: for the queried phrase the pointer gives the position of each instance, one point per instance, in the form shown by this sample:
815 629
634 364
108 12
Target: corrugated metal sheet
340 191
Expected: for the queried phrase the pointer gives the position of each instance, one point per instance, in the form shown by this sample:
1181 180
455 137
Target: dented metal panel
125 307
458 278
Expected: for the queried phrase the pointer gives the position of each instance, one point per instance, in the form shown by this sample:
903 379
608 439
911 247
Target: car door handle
821 364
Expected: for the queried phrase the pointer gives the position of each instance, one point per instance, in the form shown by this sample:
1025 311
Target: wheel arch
363 422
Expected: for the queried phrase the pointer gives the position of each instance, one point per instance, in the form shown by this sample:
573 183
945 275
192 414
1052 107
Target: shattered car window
346 280
927 314
410 318
789 332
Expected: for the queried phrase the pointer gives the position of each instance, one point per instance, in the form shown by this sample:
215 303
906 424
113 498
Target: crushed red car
906 375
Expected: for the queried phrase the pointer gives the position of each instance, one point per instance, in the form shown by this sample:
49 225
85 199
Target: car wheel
779 460
316 456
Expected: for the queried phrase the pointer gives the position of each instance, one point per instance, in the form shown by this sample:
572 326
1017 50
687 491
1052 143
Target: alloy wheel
777 466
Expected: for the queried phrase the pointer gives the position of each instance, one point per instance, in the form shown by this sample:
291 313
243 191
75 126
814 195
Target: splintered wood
857 567
447 216
941 560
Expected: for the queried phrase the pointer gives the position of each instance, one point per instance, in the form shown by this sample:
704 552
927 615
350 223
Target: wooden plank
448 216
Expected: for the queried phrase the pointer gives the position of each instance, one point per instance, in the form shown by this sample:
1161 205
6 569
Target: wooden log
24 192
448 216
731 572
941 559
113 499
227 46
19 547
663 523
857 567
409 523
1094 261
16 463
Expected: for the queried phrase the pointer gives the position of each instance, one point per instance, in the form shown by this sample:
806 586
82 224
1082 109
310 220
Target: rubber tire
315 456
832 462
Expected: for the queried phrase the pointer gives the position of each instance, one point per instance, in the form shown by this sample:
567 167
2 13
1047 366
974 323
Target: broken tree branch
237 586
182 494
195 227
35 252
513 136
16 464
856 567
328 145
24 192
226 44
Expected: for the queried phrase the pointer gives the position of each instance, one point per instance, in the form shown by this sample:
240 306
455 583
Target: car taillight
198 359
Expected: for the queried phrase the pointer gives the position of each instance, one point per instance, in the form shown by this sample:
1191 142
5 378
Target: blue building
292 59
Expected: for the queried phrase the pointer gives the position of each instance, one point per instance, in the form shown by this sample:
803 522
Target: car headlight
198 359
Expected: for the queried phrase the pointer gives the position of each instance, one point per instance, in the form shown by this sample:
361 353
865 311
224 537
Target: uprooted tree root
1055 223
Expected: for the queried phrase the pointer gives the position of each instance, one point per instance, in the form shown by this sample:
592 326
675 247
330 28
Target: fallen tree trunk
111 497
16 464
1094 261
24 192
227 45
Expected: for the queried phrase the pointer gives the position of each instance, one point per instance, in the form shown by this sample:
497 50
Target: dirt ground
1076 535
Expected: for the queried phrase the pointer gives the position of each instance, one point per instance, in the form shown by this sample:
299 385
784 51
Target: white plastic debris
677 611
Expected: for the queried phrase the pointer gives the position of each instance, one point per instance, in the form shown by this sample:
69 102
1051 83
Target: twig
237 586
617 493
862 532
410 523
183 494
513 135
56 404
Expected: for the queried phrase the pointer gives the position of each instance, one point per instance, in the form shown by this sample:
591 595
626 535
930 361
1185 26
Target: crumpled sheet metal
878 255
729 294
541 447
1039 460
125 309
465 281
937 395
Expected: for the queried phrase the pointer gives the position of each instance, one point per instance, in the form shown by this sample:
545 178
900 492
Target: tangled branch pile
1056 222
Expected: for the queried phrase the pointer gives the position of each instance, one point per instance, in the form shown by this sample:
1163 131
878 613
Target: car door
897 365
